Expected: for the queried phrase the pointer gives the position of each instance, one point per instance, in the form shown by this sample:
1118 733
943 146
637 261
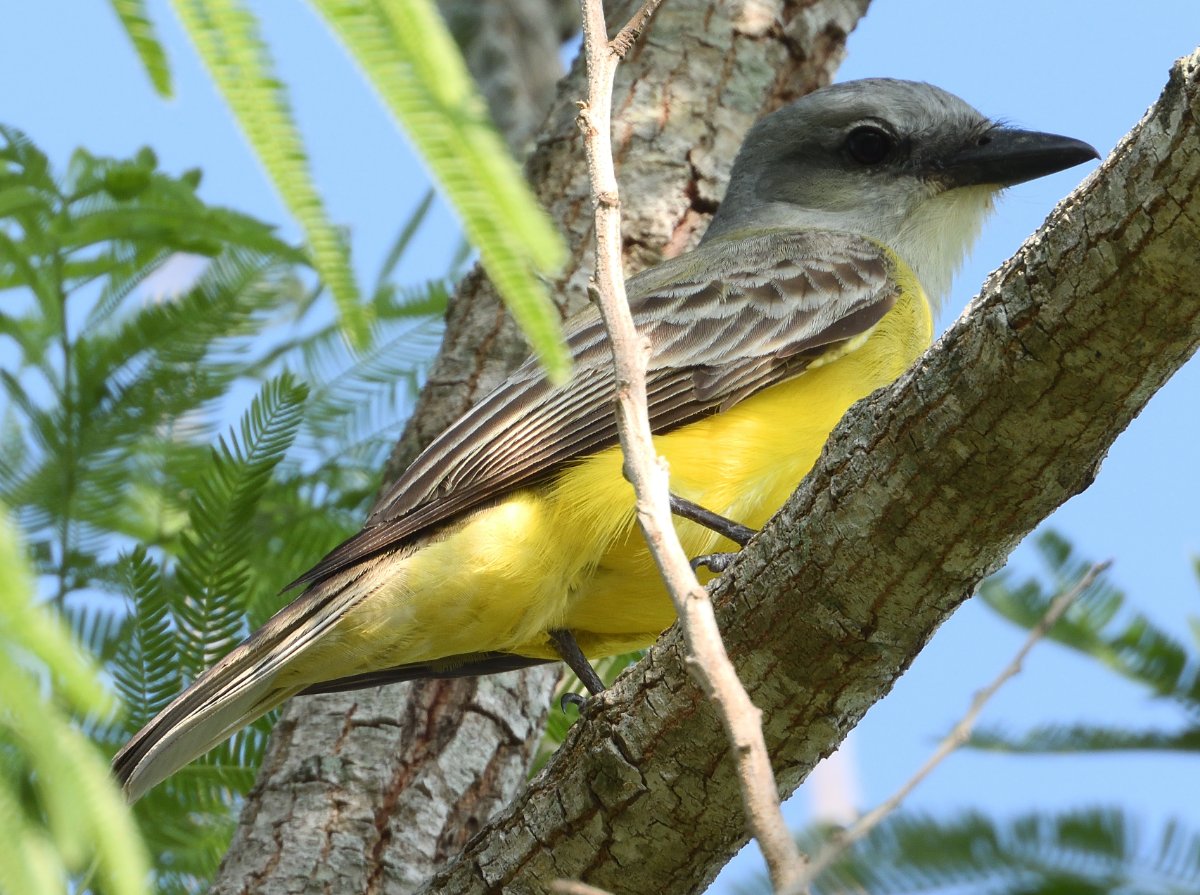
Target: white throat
935 238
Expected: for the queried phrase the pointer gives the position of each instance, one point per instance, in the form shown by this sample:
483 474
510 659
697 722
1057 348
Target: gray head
905 163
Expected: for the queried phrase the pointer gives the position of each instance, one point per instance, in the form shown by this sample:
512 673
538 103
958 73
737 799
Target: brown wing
780 301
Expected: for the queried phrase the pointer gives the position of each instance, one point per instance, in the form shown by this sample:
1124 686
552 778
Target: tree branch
924 489
648 473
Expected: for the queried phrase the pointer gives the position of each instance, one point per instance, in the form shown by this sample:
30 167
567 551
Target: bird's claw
714 562
580 702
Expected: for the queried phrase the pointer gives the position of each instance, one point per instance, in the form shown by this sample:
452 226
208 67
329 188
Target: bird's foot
734 531
566 646
716 563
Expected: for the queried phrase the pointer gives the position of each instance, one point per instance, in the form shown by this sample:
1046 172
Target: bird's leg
735 531
572 655
564 640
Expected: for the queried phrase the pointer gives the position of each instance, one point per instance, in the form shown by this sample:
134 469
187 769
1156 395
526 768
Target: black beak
1006 156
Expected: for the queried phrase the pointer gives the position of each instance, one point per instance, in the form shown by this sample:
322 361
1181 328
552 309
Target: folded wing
780 302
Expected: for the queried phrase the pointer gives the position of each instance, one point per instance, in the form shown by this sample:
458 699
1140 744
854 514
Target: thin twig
647 473
953 740
620 45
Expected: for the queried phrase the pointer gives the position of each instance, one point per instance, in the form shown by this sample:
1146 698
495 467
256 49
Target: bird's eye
869 145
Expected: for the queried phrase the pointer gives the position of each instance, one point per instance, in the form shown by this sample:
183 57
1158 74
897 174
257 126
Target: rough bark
512 49
370 791
923 489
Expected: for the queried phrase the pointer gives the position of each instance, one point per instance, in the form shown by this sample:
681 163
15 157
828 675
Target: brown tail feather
200 718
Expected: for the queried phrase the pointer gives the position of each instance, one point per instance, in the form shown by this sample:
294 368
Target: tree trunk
371 791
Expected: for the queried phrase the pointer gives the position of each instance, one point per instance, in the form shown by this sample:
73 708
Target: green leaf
216 550
21 154
408 55
206 233
76 812
19 198
1056 738
1097 850
105 443
226 34
140 31
17 269
145 667
36 636
1131 645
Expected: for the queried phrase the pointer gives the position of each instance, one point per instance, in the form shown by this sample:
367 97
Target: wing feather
780 302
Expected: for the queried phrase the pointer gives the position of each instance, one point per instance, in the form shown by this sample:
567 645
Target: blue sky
1086 69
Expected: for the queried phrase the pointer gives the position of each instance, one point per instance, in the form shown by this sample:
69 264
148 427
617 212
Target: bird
511 539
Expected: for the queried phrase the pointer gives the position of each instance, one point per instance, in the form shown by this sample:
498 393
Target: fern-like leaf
1097 851
406 52
215 550
1133 646
226 34
140 31
144 669
78 812
1085 738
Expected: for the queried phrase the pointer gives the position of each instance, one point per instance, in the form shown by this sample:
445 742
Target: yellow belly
567 554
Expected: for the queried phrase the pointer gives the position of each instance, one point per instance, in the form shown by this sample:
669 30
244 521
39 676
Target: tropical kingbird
511 539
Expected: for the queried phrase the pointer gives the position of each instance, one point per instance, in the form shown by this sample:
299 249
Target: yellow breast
743 464
567 554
